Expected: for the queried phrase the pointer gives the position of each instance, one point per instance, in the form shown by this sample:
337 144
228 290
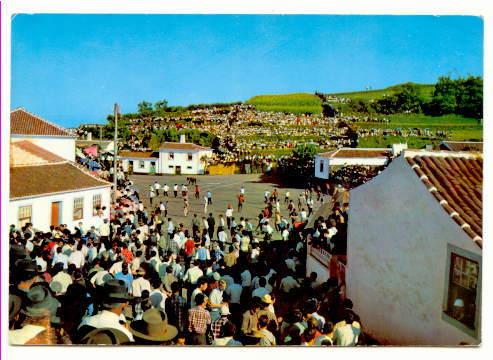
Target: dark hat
105 336
25 269
17 252
40 303
115 291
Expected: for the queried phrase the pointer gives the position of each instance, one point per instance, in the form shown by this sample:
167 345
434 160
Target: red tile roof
357 153
462 145
182 146
25 123
456 181
42 155
138 154
27 181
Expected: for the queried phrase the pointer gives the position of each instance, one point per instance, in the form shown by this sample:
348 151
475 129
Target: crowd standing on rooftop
141 278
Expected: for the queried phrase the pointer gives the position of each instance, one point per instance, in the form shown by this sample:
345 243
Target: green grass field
425 90
459 128
290 103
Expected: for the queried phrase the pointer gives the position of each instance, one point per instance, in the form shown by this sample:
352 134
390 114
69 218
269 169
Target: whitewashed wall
193 167
61 146
41 208
374 161
137 169
324 174
397 259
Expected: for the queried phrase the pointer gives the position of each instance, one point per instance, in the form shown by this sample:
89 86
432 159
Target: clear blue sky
71 69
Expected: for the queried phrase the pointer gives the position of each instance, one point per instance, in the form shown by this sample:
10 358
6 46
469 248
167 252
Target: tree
328 110
299 167
160 107
144 108
408 99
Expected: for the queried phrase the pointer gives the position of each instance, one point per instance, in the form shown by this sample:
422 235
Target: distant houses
172 158
46 187
414 249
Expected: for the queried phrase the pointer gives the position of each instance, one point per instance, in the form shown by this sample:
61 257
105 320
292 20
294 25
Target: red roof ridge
62 129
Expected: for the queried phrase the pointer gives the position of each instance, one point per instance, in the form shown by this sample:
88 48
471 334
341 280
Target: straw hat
153 327
105 336
267 299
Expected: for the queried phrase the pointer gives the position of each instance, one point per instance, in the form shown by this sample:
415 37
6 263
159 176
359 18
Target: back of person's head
348 317
347 303
263 321
199 299
309 334
312 323
175 287
201 281
328 327
228 329
262 282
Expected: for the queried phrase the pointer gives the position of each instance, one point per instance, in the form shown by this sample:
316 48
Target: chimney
182 139
89 136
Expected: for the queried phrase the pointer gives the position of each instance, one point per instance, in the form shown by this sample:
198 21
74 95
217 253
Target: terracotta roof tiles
182 146
28 181
25 123
456 182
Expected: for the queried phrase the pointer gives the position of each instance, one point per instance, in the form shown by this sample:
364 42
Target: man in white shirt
165 190
288 283
261 290
115 300
140 283
193 274
77 257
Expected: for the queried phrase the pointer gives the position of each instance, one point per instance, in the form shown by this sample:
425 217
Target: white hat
216 276
459 302
225 311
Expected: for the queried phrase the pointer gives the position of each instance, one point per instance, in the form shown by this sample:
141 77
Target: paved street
224 190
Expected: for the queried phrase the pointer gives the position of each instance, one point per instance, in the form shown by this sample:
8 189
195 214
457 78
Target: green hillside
424 90
290 103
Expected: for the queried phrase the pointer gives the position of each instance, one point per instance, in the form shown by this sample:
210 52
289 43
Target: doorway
178 170
56 213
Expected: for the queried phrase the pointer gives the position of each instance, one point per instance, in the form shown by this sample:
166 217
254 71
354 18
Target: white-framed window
78 213
461 305
142 164
171 156
24 215
96 203
189 156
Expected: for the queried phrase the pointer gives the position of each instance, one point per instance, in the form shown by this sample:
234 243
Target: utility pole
115 151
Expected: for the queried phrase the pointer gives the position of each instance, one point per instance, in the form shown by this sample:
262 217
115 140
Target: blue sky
71 69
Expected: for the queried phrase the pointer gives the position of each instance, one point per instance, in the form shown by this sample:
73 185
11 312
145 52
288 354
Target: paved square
224 188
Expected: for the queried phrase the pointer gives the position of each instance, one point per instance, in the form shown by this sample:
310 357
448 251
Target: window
171 156
171 166
321 166
189 167
142 164
25 215
153 163
462 293
190 156
78 208
96 204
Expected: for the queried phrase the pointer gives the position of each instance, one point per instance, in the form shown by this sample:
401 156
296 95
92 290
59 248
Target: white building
172 158
140 162
415 250
27 126
324 162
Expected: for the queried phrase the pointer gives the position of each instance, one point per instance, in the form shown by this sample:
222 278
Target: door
178 170
55 213
130 167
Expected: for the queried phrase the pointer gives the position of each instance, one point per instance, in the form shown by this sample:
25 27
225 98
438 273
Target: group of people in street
141 278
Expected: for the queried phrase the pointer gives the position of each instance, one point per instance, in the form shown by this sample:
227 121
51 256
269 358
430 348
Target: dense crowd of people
140 278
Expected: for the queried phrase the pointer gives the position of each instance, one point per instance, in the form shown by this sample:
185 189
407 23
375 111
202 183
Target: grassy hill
290 103
425 90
